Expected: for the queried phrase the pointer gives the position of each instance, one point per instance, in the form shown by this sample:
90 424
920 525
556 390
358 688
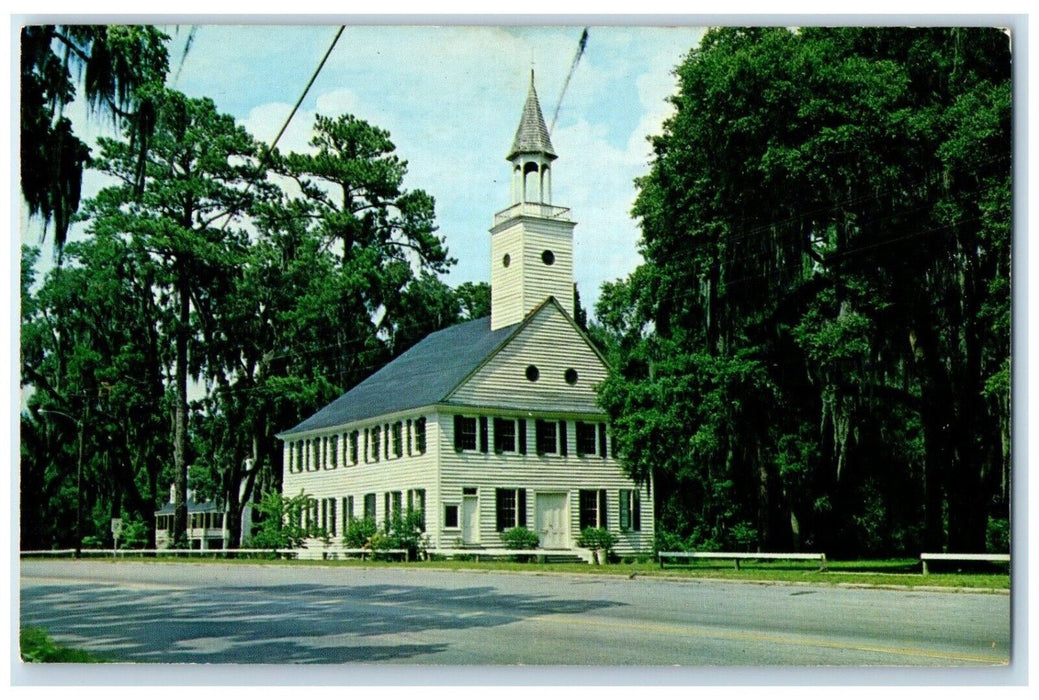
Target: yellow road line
776 639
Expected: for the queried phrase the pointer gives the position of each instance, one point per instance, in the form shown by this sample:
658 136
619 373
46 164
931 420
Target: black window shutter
521 507
602 440
636 511
562 438
499 515
602 508
483 433
458 432
522 436
498 430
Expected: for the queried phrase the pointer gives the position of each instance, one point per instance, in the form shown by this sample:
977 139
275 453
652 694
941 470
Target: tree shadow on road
305 623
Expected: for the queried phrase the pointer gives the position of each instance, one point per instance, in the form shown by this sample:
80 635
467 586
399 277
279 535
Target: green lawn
881 572
37 647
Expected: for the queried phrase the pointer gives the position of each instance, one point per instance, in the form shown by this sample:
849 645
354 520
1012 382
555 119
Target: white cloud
451 99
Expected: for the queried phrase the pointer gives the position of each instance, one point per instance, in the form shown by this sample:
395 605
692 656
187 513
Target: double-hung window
354 437
417 505
333 452
420 435
393 503
328 515
505 435
511 508
547 437
374 436
348 511
591 439
398 439
592 505
466 433
587 440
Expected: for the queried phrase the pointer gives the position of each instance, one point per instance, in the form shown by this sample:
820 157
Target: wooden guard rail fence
736 557
942 556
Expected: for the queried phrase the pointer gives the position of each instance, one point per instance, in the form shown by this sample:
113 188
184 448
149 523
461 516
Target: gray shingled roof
193 507
422 376
532 134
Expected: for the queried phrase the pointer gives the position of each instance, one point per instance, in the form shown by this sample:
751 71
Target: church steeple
532 135
531 240
532 154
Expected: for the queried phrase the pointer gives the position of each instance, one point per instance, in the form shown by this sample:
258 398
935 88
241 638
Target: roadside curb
749 582
618 576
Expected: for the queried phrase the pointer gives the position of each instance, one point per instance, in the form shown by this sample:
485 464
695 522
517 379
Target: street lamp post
79 480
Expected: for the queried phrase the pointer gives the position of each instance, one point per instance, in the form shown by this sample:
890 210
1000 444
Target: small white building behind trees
490 424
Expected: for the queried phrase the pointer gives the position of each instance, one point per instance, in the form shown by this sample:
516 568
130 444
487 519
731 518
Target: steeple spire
532 239
532 134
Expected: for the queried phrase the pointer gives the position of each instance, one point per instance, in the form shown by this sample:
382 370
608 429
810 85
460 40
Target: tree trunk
936 420
180 414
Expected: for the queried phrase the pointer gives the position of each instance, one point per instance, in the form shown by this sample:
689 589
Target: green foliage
597 538
281 525
997 536
134 533
381 541
359 532
168 290
112 64
406 531
815 352
36 646
520 538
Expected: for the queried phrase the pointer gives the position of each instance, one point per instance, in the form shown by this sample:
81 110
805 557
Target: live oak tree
111 64
816 351
94 415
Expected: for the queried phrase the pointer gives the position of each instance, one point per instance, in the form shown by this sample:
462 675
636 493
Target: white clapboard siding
500 388
506 282
547 474
552 344
528 281
541 280
394 474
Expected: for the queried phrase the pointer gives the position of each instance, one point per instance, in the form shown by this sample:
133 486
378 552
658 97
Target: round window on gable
533 373
570 376
506 260
548 257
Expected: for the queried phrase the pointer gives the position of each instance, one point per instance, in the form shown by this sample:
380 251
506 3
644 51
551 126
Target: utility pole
79 479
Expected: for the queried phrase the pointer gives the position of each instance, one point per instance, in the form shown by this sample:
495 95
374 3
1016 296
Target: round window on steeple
506 260
548 257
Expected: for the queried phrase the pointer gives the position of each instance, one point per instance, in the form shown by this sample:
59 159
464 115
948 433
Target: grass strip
36 646
880 572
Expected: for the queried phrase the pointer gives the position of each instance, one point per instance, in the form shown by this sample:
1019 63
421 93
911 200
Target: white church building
492 423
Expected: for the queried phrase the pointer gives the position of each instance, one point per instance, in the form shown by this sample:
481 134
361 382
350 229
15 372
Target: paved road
211 613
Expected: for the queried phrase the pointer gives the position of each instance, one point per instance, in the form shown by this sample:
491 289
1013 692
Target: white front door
552 520
470 520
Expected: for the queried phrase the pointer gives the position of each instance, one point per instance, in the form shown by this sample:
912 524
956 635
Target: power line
573 67
270 148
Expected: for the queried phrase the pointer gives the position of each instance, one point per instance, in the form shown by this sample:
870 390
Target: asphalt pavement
254 614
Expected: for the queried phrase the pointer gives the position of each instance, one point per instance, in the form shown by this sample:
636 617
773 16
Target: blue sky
451 97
